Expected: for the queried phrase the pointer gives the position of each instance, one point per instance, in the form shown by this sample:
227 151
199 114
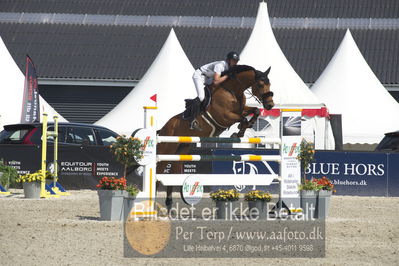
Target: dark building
90 53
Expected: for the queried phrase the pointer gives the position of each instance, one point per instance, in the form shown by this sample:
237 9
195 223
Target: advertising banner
25 158
245 168
80 167
290 167
30 105
352 173
393 174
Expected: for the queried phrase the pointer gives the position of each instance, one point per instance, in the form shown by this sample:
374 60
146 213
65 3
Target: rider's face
232 62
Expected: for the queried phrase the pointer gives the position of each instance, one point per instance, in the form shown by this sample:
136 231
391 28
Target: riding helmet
233 55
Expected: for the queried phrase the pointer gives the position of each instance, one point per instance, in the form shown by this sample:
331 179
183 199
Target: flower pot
128 204
323 204
225 209
259 206
32 190
308 203
111 204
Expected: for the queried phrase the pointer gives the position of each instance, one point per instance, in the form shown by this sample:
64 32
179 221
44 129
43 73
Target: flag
154 98
30 102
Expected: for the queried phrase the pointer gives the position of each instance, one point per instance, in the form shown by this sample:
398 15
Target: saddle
194 107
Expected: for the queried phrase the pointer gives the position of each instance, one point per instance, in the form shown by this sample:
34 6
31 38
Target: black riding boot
193 108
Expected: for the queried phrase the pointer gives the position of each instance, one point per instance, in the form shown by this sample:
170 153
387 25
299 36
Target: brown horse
227 107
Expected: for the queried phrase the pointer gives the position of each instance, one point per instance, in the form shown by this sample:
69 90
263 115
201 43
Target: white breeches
199 81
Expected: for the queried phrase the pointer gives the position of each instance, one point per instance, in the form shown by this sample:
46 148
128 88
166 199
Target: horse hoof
168 202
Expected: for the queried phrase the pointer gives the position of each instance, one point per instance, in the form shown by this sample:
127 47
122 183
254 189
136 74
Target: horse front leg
244 124
176 168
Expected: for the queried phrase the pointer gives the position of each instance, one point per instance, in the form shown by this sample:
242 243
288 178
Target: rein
263 96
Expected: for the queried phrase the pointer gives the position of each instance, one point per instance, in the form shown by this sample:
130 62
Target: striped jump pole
144 204
220 179
192 158
185 139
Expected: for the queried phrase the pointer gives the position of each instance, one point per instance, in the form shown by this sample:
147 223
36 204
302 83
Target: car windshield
12 136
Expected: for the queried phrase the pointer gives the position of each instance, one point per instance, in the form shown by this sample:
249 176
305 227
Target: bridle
263 96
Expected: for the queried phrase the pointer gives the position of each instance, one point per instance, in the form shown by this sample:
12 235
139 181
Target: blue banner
352 173
393 174
242 168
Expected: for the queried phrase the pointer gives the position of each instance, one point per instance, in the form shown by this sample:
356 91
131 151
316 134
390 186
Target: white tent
11 91
349 87
169 76
262 51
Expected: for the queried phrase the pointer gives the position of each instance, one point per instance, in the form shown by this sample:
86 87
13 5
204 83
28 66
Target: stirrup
195 125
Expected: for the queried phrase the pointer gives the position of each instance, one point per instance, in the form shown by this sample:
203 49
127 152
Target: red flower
112 183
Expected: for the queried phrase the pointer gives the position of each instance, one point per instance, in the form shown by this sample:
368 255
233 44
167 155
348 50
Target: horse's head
261 89
243 77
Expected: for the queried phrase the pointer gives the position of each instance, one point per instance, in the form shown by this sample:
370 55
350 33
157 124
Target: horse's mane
237 69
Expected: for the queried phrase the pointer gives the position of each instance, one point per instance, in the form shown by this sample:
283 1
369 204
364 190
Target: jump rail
192 158
175 139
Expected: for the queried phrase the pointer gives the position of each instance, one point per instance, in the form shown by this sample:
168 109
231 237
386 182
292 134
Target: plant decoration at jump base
309 184
225 195
34 177
32 183
318 184
116 198
127 150
257 195
306 156
112 183
132 190
325 184
225 200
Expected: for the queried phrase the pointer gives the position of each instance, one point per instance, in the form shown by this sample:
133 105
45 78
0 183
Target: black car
390 143
68 134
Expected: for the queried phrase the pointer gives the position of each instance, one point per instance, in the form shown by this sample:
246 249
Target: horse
227 107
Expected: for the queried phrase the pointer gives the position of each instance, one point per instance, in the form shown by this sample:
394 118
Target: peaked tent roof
262 51
11 91
349 87
169 76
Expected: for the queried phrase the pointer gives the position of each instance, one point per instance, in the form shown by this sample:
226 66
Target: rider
208 74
